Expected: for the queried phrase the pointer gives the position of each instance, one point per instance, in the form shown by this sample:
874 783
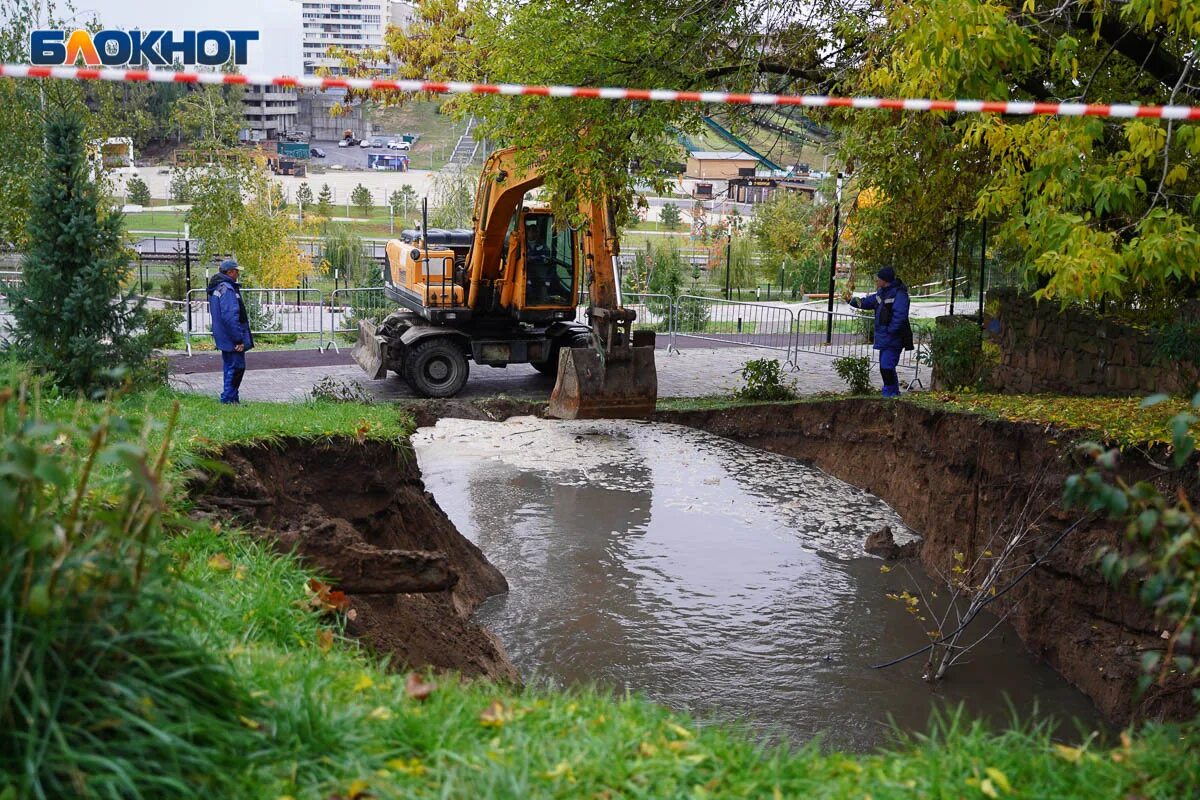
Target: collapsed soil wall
346 507
956 479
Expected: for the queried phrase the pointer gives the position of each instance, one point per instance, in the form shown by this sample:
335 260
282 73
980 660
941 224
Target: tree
325 201
343 250
793 234
138 191
454 199
361 198
179 190
1092 208
670 216
210 115
403 199
73 316
304 196
236 211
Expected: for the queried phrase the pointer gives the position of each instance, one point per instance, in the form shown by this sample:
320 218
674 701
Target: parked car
317 152
399 144
346 143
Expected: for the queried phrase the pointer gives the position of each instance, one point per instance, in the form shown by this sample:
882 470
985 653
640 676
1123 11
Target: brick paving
693 372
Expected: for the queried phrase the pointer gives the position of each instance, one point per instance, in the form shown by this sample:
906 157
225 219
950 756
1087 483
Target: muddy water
708 576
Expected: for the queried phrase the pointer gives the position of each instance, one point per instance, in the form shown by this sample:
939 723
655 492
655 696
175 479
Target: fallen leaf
352 615
1072 754
987 788
382 713
647 750
364 682
250 723
325 639
999 779
417 689
220 562
494 716
412 766
680 731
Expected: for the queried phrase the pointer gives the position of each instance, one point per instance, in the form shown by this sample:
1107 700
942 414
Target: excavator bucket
368 351
589 388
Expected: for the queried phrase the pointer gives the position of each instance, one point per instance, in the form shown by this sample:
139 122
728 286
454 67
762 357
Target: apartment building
354 25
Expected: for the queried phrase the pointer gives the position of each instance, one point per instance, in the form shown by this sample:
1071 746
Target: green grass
439 132
324 718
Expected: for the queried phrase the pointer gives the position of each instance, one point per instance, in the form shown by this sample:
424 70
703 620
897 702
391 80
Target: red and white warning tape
607 93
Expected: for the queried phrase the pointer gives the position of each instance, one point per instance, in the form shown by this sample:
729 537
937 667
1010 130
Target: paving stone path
290 375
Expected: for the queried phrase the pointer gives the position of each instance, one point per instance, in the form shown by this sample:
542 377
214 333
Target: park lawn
438 132
328 719
155 221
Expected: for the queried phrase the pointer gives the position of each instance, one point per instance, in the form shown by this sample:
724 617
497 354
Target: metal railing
732 323
347 306
272 312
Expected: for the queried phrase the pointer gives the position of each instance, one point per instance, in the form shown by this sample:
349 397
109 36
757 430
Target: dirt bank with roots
962 481
360 515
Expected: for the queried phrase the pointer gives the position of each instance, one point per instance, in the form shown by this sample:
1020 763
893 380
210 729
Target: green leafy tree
210 115
74 318
325 201
342 249
454 193
1091 207
403 199
670 216
361 198
138 191
179 190
793 234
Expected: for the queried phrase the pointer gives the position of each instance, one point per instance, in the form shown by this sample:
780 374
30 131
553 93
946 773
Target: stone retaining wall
1047 349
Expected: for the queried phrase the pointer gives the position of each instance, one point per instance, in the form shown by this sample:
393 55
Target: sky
278 50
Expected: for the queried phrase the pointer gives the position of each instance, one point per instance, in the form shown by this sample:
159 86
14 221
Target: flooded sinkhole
710 577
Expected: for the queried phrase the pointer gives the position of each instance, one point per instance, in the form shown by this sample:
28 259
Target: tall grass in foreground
101 695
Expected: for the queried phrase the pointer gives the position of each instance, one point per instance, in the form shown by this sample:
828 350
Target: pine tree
138 191
325 201
304 195
73 318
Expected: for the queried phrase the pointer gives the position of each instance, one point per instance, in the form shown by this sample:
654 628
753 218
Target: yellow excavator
506 292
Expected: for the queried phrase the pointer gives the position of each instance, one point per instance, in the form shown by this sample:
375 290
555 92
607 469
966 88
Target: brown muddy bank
360 515
959 479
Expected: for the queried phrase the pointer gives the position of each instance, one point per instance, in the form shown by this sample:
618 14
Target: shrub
1178 347
856 372
956 355
175 287
332 390
162 328
763 380
101 694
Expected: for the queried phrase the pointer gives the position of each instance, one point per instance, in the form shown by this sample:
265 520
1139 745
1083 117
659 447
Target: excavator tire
436 368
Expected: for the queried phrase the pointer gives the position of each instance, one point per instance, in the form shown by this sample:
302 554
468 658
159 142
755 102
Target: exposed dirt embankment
958 479
360 514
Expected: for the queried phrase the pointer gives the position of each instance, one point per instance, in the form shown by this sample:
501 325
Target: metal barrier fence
732 323
851 334
654 311
271 311
347 306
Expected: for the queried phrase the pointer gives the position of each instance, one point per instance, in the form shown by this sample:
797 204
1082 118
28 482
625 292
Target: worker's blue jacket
229 323
891 314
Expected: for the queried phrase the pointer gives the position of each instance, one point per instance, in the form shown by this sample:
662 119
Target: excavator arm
613 377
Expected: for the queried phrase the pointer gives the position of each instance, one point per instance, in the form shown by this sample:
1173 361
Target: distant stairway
466 149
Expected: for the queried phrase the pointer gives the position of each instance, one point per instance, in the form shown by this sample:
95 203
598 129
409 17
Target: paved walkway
290 375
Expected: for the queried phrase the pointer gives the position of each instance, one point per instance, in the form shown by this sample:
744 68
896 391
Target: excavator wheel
436 368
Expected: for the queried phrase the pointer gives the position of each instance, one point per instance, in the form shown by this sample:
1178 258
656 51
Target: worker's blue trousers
233 365
889 358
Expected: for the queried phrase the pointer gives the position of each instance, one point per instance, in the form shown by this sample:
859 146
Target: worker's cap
228 265
886 274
